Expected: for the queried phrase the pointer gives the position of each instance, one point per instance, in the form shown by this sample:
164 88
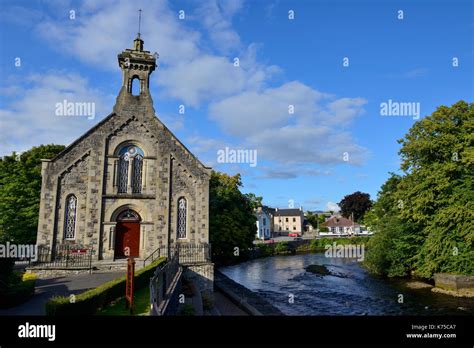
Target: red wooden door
127 235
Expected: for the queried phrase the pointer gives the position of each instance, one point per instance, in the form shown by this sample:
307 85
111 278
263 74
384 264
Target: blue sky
283 62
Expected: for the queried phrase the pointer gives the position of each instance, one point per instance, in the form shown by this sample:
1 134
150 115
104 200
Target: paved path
62 285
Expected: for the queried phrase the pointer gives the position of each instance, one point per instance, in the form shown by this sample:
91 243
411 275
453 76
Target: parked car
293 235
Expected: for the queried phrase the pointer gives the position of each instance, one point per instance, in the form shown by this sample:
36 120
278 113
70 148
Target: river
283 281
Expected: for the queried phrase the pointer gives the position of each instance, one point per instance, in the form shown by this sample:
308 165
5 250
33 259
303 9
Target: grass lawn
142 305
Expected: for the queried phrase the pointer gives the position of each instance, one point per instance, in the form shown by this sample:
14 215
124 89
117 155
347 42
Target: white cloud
187 71
99 33
30 119
313 134
331 206
196 67
216 17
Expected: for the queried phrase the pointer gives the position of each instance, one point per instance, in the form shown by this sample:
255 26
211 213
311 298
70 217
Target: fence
187 253
162 285
165 281
193 253
64 256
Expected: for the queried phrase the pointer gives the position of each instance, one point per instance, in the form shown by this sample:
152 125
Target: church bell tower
137 66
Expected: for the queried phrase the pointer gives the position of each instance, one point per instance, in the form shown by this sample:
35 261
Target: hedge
19 290
90 301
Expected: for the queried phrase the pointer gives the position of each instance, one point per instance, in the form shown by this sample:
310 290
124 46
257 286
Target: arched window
128 215
123 173
137 174
70 217
130 164
135 87
181 224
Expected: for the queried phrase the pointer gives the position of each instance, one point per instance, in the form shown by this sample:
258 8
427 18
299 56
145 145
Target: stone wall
202 275
244 298
453 282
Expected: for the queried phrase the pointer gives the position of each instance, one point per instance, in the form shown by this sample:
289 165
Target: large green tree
356 205
232 226
20 188
432 204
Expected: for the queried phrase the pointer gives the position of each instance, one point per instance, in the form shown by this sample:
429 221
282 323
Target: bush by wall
88 302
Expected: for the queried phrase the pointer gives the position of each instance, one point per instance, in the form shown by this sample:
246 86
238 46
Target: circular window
131 151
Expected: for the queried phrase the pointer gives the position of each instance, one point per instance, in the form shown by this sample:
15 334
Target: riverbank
348 289
320 246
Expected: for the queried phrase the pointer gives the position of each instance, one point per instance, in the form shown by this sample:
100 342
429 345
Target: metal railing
64 256
187 253
161 284
161 251
193 253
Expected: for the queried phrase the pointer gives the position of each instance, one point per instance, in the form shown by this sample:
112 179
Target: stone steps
117 265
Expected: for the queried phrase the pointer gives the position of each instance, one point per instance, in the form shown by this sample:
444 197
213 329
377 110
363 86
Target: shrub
282 248
88 302
20 287
265 249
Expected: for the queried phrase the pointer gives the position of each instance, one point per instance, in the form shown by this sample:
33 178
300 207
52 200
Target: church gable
127 173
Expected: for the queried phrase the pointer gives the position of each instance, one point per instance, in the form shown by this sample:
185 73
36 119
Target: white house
338 225
264 230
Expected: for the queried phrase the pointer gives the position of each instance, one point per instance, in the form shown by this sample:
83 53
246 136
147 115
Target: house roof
268 210
338 221
288 212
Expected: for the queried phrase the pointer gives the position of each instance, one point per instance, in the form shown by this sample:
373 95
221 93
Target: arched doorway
127 234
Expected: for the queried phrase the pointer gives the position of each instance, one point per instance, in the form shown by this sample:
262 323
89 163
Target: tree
393 248
255 201
312 219
424 219
20 189
355 204
232 223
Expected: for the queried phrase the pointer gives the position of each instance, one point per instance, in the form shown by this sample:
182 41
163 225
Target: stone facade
90 169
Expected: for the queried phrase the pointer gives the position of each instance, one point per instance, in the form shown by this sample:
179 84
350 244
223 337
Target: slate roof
337 221
288 212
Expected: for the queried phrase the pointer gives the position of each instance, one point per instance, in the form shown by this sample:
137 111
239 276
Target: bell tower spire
137 66
138 42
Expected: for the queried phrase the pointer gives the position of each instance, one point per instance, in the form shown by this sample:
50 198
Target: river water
283 281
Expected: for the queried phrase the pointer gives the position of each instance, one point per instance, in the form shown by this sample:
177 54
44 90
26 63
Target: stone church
128 184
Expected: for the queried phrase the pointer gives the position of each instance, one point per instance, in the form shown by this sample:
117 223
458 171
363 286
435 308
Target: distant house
288 221
264 223
340 226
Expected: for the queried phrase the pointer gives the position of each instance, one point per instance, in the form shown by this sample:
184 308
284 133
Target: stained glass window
133 154
137 174
123 173
70 217
131 150
182 217
128 215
